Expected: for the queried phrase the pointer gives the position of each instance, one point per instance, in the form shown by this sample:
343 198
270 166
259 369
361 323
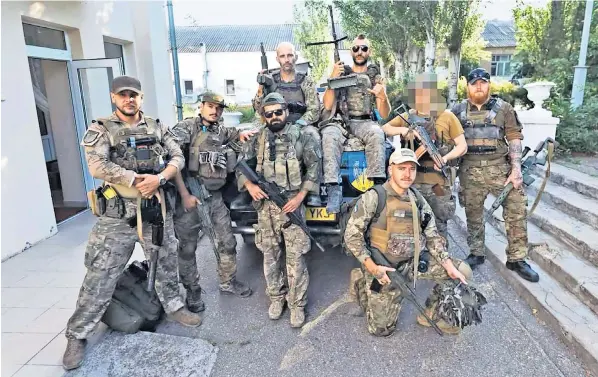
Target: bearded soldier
130 152
303 103
444 129
493 135
205 143
357 113
283 160
395 232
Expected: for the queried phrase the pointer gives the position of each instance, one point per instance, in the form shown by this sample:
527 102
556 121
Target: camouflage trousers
313 147
111 244
285 278
443 206
333 140
382 308
476 183
225 241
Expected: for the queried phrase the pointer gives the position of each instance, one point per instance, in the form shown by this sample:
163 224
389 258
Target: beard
128 111
364 62
276 125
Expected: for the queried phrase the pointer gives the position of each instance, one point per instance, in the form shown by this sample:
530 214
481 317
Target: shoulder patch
91 137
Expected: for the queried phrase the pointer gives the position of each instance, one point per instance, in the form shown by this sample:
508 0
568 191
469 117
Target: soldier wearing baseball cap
212 97
122 83
394 218
493 159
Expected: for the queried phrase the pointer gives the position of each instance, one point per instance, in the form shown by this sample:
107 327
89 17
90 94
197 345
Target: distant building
226 58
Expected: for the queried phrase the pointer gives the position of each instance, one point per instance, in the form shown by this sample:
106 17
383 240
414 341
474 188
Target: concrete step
574 204
557 259
582 238
574 322
561 175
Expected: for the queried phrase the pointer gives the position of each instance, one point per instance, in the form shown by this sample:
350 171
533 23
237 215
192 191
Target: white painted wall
27 213
64 133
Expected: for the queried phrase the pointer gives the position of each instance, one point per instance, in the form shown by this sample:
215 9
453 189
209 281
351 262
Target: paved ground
39 288
585 164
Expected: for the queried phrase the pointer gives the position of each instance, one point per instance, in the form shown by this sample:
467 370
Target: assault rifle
526 168
399 281
427 143
276 195
198 190
264 78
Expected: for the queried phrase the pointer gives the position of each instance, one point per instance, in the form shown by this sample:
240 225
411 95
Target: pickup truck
323 226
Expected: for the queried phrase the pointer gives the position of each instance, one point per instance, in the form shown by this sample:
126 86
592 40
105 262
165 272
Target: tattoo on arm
515 151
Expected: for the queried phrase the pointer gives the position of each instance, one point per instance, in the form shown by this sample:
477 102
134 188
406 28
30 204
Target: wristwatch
162 179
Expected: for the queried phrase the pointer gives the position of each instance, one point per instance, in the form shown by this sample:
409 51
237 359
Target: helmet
459 304
213 98
273 99
478 74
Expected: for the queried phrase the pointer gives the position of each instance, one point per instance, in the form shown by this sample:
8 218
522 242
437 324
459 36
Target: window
44 37
230 87
188 87
501 65
115 51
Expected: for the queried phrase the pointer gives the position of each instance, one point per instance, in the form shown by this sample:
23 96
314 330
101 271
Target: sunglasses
478 75
362 47
270 114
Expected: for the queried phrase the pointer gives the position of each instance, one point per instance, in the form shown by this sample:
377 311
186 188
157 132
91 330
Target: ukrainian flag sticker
361 183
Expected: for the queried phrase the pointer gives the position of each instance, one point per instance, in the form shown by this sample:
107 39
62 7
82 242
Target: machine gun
399 281
345 80
264 78
276 195
198 190
526 168
428 144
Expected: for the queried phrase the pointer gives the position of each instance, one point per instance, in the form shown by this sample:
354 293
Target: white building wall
27 213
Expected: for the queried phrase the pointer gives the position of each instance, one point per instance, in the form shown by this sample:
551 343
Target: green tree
313 26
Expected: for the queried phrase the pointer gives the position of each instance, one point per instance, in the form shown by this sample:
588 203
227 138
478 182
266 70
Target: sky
260 12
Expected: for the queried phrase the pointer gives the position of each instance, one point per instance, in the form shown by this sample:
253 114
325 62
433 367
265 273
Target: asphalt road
335 342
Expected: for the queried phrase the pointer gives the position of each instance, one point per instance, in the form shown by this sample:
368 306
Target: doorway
59 137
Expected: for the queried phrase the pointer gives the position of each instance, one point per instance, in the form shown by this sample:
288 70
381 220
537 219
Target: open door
90 89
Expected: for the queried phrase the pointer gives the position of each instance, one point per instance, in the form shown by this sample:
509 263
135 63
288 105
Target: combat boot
236 288
185 317
524 270
276 308
356 274
442 325
297 316
74 353
314 200
474 260
194 302
335 198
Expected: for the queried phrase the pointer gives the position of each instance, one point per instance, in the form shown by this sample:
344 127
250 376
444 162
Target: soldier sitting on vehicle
356 113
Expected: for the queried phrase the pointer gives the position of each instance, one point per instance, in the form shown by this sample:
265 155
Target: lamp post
175 61
581 69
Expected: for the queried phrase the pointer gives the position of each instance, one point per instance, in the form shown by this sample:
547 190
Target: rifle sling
416 235
260 151
550 151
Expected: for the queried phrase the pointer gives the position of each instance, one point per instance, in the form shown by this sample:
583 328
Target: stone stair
563 239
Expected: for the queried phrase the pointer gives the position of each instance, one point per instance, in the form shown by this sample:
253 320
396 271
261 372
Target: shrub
578 129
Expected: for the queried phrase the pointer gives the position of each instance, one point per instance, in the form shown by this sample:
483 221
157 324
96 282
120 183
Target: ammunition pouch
115 208
297 107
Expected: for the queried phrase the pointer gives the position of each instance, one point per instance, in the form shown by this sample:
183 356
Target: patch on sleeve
91 137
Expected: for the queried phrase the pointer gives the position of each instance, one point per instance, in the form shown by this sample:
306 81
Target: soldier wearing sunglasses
493 159
282 159
370 91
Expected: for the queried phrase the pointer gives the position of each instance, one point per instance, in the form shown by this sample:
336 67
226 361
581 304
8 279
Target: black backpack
348 207
132 307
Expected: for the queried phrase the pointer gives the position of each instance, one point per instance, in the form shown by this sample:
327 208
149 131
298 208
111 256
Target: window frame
226 87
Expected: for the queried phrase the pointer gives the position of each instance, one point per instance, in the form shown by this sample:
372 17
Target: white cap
402 155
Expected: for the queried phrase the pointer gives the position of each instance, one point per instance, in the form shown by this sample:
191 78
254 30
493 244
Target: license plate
319 214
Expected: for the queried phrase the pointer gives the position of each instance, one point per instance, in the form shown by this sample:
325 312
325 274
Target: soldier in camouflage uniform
112 157
393 233
493 135
281 158
303 103
204 142
359 121
444 129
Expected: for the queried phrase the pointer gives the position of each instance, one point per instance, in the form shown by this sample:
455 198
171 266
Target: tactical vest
393 232
426 173
136 148
293 95
206 143
279 157
485 138
359 100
